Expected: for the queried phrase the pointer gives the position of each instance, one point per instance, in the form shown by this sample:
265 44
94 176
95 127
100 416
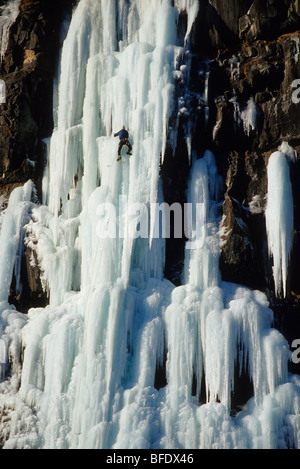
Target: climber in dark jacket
123 135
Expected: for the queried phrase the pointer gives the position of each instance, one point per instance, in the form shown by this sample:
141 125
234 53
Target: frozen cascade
12 232
90 357
210 325
280 218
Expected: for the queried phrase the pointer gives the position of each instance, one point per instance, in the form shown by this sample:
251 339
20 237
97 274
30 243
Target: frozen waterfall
88 377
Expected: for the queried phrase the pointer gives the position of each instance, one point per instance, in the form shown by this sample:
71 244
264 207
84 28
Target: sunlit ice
124 220
89 359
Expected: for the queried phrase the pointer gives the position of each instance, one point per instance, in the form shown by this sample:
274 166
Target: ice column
2 92
13 219
186 315
12 235
280 219
202 251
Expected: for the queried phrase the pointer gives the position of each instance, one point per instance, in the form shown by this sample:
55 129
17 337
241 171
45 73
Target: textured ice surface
280 218
88 378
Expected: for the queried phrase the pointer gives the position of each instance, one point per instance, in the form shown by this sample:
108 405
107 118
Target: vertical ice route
90 357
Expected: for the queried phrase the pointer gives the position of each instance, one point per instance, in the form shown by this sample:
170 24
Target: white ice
12 235
2 92
249 116
90 357
280 218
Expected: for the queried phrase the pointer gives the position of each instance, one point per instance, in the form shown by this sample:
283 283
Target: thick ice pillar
279 219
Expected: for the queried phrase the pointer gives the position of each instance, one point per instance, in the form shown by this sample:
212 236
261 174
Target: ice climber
123 136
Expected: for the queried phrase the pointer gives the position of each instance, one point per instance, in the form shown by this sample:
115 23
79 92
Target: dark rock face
26 119
257 62
28 69
260 67
251 51
252 48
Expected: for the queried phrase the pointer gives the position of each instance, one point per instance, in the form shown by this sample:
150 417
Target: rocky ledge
26 119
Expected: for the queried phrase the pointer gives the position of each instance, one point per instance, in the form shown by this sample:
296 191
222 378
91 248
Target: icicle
16 216
192 9
279 219
202 251
249 116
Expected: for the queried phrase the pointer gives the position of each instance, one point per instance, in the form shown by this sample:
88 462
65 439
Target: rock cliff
28 69
260 68
248 52
252 49
26 118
